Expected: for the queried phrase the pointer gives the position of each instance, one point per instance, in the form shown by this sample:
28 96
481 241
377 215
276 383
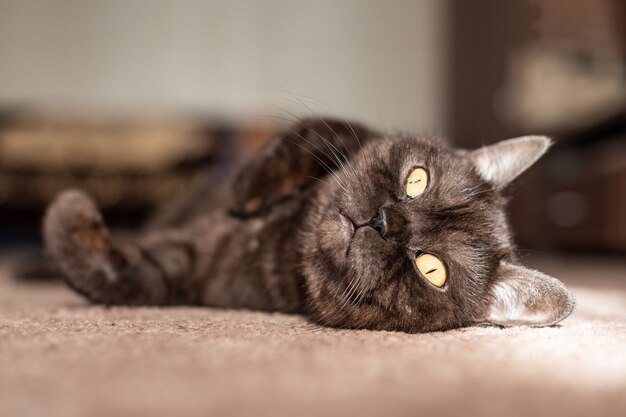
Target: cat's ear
522 296
501 163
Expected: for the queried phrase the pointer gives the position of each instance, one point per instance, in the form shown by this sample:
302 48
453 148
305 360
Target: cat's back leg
94 265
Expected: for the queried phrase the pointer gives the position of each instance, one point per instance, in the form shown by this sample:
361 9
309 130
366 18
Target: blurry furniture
558 68
576 197
130 164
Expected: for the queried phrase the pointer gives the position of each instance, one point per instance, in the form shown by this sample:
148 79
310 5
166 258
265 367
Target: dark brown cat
331 219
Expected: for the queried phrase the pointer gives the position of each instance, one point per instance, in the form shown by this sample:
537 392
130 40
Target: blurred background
137 101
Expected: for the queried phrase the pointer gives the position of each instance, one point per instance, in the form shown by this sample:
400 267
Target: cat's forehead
427 151
449 171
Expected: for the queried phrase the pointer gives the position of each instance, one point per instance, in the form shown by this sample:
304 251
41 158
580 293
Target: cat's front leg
294 159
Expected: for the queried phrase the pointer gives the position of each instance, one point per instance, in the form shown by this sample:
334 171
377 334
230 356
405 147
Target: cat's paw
73 227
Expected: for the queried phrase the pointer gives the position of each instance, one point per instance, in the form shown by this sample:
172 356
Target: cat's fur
288 242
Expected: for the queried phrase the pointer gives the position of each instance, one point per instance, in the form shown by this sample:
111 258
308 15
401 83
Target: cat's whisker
334 154
337 136
299 119
317 179
340 139
343 166
330 157
312 327
355 283
344 298
310 152
310 98
341 157
315 114
356 137
330 146
351 289
273 116
324 164
360 297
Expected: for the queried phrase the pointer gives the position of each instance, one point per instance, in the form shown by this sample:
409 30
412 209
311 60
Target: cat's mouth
347 225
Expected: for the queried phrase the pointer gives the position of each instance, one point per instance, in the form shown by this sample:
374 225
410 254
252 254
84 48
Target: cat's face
411 235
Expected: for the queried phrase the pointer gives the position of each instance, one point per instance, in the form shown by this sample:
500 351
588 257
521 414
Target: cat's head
412 235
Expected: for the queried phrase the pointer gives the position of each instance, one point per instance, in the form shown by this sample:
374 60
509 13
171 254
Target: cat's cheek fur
334 237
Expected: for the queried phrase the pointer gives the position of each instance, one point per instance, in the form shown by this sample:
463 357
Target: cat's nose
389 222
379 222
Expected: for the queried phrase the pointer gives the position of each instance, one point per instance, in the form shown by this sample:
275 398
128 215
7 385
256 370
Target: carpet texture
60 356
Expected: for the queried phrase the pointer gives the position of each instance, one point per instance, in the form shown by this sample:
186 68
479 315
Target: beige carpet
62 357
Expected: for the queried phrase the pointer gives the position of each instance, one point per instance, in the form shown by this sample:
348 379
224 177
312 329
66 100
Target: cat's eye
432 269
416 182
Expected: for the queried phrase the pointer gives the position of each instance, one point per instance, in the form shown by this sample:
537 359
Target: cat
331 219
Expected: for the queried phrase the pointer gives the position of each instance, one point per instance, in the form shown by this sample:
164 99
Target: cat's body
343 249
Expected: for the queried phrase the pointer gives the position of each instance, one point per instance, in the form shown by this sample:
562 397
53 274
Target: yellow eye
432 269
417 182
